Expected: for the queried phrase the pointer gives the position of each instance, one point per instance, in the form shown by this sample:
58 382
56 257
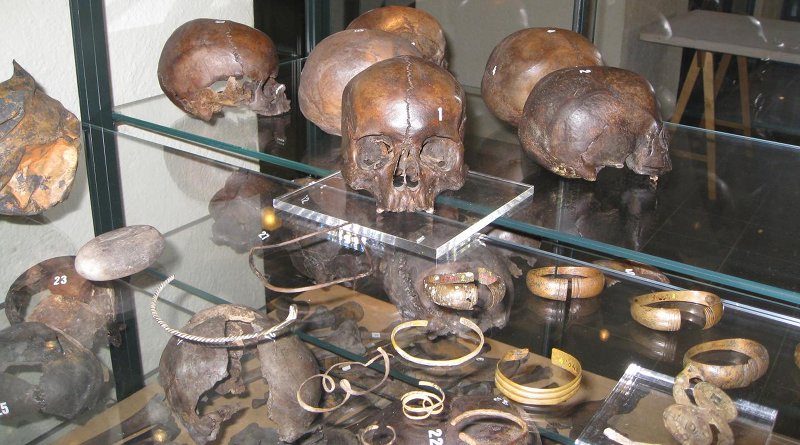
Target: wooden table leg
686 91
744 93
711 142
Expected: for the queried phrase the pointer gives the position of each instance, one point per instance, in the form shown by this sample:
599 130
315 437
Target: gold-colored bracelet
427 362
731 376
459 291
539 396
632 268
421 404
547 282
669 319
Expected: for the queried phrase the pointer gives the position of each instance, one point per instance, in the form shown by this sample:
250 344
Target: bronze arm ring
548 282
669 319
731 376
428 362
459 291
539 396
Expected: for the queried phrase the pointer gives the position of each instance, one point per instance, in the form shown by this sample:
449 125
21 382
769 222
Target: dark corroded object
119 253
578 120
71 381
202 52
189 370
403 280
336 60
403 133
688 424
39 144
80 308
412 24
520 60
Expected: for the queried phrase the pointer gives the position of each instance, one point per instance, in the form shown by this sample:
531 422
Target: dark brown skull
71 381
204 51
189 370
412 24
520 60
39 144
80 308
336 60
579 120
403 133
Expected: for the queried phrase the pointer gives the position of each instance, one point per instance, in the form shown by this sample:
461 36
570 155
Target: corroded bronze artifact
403 133
520 60
732 375
336 60
82 309
688 424
72 378
412 24
119 253
39 144
202 52
562 282
189 370
669 319
578 120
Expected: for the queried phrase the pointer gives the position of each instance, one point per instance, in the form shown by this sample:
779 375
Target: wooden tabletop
736 34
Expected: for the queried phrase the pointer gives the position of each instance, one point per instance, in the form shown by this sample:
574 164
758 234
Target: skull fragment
579 120
520 60
188 371
71 381
403 133
336 60
202 52
414 25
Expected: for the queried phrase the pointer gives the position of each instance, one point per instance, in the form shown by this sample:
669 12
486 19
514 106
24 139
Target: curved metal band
362 436
547 282
289 290
488 413
669 319
458 291
539 396
420 404
731 376
421 361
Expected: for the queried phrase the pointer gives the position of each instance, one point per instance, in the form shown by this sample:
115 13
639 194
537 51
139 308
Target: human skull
414 25
520 60
189 370
403 133
336 60
202 52
71 382
579 120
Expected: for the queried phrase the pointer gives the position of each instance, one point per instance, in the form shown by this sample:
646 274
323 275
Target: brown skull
412 24
204 51
520 60
403 133
336 60
579 120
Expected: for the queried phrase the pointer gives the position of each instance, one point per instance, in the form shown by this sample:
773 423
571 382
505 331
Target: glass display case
229 197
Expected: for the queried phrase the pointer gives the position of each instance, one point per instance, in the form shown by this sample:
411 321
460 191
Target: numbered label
263 235
59 279
435 437
4 408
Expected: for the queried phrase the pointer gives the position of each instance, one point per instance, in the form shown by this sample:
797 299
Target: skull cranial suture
201 52
403 133
578 120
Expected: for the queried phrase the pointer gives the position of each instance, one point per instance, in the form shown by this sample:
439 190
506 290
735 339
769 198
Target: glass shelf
458 215
724 214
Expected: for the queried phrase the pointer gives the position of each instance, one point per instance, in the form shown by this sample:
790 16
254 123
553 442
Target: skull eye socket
374 152
440 153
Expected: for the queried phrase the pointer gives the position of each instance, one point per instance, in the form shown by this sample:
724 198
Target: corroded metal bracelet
459 291
691 425
427 362
669 319
632 268
468 417
547 282
731 376
704 394
539 396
